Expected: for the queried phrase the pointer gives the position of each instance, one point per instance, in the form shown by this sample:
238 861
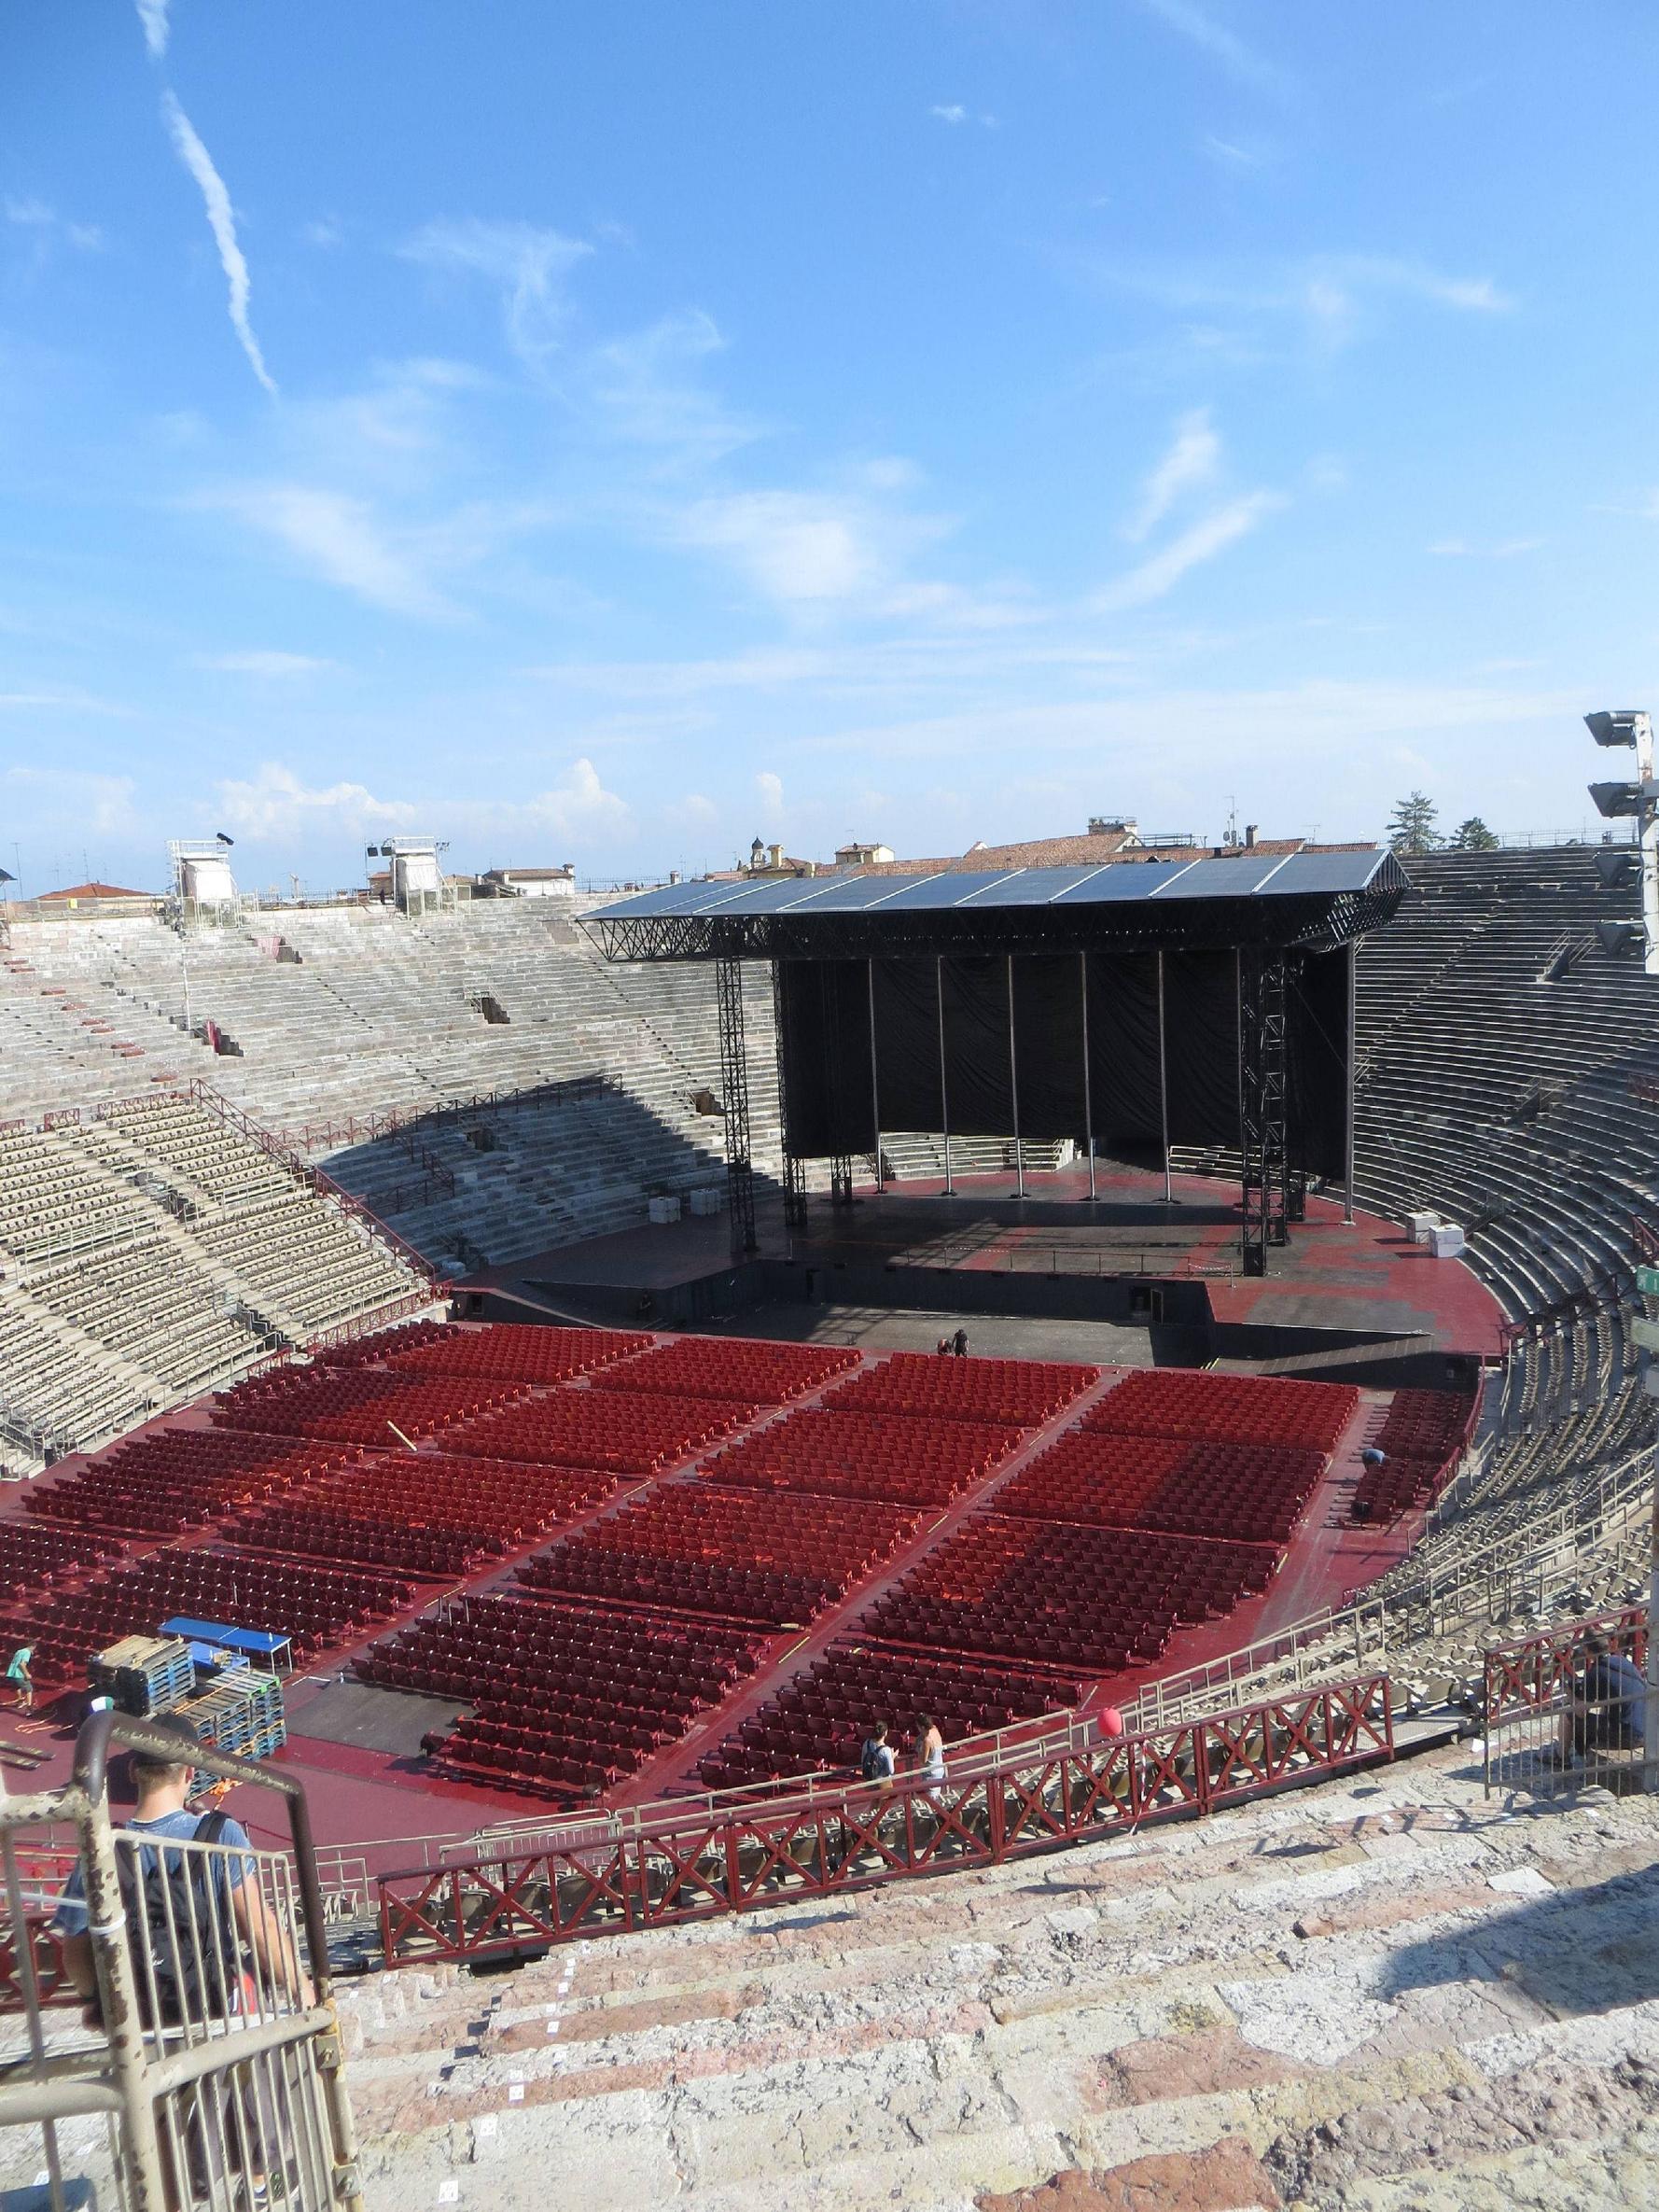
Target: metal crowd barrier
1528 1703
215 2065
698 1867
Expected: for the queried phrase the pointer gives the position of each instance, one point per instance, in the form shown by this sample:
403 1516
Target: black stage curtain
1318 1063
906 1045
978 1077
1124 1047
1048 1045
827 1067
1201 1046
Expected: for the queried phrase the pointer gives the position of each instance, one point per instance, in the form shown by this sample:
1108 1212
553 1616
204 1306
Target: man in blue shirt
191 1973
1610 1704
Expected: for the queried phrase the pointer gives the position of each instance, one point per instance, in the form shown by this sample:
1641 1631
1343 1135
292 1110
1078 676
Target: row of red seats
366 1540
588 1428
1222 1409
921 1461
769 1597
1018 1393
754 1371
360 1406
35 1555
1424 1424
494 1499
384 1345
1385 1493
1067 1596
823 1716
568 1699
1254 1492
318 1607
182 1478
518 1352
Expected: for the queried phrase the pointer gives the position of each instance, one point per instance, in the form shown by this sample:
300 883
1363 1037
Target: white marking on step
448 2193
515 2093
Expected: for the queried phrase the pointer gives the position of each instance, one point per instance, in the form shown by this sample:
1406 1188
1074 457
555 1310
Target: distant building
772 860
860 855
528 883
97 894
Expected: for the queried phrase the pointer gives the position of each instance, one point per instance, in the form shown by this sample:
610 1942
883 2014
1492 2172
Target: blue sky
611 433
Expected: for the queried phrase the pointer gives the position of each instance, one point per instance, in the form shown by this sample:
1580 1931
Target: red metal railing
768 1852
1529 1676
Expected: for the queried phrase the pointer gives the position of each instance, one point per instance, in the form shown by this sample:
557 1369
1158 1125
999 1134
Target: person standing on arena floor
875 1756
943 1346
959 1344
22 1680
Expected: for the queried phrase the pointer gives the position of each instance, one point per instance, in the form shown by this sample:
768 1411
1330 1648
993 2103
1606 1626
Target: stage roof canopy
1315 900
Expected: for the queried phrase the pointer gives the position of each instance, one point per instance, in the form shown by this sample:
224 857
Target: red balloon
1111 1721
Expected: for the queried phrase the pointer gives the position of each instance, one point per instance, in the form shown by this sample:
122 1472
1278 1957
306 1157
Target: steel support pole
1164 1086
945 1098
734 1098
1347 1184
1088 1094
875 1100
1014 1086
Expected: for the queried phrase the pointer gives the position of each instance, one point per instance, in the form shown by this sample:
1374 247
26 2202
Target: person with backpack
188 1916
876 1762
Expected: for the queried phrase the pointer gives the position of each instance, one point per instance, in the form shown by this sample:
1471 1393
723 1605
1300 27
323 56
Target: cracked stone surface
1393 1992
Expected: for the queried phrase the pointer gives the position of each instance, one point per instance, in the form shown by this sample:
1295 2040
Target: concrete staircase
1381 1994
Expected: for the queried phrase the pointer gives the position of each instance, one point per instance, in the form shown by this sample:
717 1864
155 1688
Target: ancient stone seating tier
1226 1409
821 1718
1252 1492
1057 1595
1020 1393
916 1460
567 1697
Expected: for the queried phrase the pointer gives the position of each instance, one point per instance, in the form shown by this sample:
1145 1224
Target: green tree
1412 828
1474 836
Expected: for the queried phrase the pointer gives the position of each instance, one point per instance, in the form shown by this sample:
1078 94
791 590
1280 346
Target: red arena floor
529 1570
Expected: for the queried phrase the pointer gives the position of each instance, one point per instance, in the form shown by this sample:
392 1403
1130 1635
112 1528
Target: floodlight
1621 936
1621 801
1615 727
1615 864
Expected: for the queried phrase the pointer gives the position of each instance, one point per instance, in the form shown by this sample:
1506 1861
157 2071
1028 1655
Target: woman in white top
930 1758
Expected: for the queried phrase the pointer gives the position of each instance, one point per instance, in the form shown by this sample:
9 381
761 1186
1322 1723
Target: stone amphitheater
1392 1990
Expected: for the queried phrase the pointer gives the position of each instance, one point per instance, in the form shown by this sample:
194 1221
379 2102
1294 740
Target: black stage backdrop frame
967 1005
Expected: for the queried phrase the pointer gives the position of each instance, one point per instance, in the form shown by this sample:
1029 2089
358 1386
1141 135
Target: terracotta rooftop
91 891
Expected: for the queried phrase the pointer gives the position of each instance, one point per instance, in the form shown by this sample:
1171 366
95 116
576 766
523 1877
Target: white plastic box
665 1208
1420 1224
710 1200
1446 1240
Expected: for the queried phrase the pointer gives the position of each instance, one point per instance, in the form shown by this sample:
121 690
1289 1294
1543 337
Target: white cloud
643 390
769 790
1201 543
68 798
47 227
809 550
327 232
1220 44
277 808
263 663
222 222
152 14
954 113
339 538
528 263
1193 459
580 805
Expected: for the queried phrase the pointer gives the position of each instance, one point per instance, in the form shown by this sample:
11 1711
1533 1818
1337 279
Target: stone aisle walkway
1380 1994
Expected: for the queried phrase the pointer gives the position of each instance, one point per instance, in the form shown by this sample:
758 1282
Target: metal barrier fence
210 2051
695 1869
1540 1734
